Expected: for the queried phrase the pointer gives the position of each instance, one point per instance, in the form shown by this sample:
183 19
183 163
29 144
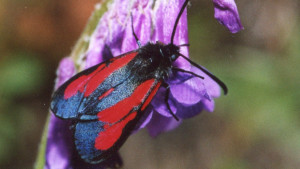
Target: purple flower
227 14
59 136
189 95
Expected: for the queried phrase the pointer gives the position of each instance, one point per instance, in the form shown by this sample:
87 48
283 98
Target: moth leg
136 38
185 71
167 86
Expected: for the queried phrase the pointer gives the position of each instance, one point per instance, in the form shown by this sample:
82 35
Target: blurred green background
257 125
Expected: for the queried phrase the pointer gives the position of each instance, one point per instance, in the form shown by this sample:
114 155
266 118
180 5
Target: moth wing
83 90
97 140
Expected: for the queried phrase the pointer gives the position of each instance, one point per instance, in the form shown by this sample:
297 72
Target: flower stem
77 52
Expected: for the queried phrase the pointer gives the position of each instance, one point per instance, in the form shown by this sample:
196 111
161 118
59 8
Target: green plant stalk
77 52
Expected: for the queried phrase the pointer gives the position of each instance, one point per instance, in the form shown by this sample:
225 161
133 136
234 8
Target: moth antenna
177 20
187 44
222 84
185 71
132 28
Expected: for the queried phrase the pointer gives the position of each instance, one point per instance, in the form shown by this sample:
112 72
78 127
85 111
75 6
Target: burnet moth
106 101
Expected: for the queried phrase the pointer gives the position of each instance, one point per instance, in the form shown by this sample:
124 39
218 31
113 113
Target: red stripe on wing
151 95
111 134
101 76
106 93
96 77
122 108
78 84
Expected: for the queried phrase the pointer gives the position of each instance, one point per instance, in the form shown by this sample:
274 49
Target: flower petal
142 27
58 150
189 111
145 119
109 33
190 92
97 43
192 95
227 14
212 88
209 105
160 105
165 14
160 124
65 70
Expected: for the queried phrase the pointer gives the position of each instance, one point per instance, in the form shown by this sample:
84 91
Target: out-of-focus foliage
34 35
255 126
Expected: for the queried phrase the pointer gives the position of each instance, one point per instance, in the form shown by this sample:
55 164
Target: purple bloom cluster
189 95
